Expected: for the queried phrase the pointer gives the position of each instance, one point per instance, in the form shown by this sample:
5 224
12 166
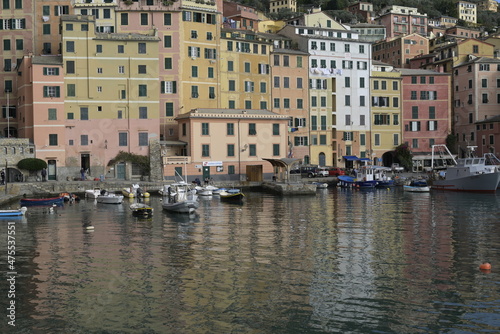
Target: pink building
400 20
488 134
426 115
240 16
477 100
41 115
399 50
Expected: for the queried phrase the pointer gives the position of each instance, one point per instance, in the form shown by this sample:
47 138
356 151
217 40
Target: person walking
2 176
44 175
82 173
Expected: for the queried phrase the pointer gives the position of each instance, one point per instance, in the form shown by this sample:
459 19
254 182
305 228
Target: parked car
395 167
305 171
323 171
336 171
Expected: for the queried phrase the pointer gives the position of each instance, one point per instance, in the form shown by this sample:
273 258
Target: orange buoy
485 266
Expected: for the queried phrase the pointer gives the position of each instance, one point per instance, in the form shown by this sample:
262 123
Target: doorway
206 173
322 159
120 171
85 162
51 170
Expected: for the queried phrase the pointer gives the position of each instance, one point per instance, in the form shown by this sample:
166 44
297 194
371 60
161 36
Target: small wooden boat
141 209
203 191
232 195
69 197
320 185
42 201
13 213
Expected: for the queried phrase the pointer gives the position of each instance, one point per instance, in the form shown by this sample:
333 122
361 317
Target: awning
364 159
350 157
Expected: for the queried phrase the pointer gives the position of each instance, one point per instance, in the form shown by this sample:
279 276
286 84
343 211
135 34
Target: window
84 140
6 44
362 102
141 69
167 19
347 82
384 85
484 83
53 139
231 104
141 48
46 10
169 109
70 46
84 113
300 104
232 85
194 71
249 86
395 102
286 82
322 101
415 126
143 139
348 100
230 150
375 84
98 48
143 90
52 115
71 90
252 150
205 150
204 129
431 125
377 139
144 19
276 81
211 92
121 69
485 98
263 105
414 80
230 129
230 65
414 112
124 19
475 49
263 87
121 49
168 63
194 92
252 131
361 82
143 112
84 27
422 80
50 71
276 102
299 82
210 73
247 67
122 139
299 62
276 150
51 91
46 29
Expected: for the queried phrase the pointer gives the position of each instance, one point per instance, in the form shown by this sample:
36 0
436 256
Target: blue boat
42 201
346 181
13 213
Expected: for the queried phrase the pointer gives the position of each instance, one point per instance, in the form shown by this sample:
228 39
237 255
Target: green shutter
174 87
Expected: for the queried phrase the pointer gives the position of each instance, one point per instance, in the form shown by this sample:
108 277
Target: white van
323 171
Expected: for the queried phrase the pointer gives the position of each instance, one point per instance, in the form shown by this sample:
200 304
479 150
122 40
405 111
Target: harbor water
342 261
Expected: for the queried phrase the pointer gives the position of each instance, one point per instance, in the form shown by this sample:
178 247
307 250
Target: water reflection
341 261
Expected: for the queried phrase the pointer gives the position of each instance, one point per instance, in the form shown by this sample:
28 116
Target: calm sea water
343 261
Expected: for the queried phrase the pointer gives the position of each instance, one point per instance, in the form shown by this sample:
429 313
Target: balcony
176 160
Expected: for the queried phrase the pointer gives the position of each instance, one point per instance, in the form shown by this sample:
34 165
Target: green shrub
32 164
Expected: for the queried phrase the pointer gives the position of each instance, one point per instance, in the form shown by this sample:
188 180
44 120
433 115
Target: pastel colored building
386 115
467 11
339 92
289 73
368 32
240 16
244 75
16 35
276 6
316 19
231 144
111 100
426 112
47 23
450 55
41 116
477 98
364 9
488 136
401 20
399 50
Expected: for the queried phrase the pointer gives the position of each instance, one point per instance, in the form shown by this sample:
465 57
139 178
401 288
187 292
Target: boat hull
186 206
42 201
12 213
482 183
140 209
417 189
110 199
349 182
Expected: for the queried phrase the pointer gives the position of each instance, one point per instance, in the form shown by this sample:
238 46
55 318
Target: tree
32 164
404 155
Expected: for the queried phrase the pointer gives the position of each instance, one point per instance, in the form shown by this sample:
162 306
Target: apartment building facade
401 20
398 51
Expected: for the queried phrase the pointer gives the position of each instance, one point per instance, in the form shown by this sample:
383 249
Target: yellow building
386 117
276 6
111 99
244 70
467 11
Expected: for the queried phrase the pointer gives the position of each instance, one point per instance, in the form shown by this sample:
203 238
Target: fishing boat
135 191
470 174
365 178
178 197
380 174
13 213
109 198
234 195
42 201
417 186
141 209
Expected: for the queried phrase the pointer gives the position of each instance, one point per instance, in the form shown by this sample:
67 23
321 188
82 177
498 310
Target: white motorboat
135 191
108 198
141 209
417 186
203 191
469 174
178 197
93 193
